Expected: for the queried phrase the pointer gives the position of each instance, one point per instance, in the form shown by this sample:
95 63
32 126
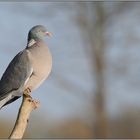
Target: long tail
5 100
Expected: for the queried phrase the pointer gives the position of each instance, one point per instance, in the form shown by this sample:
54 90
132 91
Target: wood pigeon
28 69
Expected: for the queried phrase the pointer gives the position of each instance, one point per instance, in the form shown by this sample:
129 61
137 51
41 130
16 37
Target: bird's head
38 32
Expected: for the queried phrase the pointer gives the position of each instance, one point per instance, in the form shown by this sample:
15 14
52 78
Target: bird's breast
41 60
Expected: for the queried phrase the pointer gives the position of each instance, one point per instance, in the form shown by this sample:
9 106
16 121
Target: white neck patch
31 42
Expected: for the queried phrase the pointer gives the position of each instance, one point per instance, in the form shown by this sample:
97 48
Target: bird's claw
36 103
27 92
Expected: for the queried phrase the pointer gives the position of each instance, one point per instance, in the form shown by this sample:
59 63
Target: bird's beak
49 34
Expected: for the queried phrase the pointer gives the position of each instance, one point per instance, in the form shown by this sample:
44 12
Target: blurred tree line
93 18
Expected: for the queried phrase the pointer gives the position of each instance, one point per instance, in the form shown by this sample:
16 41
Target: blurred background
94 88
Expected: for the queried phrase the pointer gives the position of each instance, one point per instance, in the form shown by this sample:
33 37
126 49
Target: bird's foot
36 104
27 92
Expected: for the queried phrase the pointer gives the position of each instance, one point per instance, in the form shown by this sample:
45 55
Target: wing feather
16 74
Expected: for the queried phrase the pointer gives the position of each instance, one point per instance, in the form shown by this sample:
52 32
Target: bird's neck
31 42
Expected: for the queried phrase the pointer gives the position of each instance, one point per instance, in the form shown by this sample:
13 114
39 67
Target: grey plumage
15 75
23 71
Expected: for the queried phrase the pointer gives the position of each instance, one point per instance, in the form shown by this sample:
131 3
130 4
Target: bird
28 69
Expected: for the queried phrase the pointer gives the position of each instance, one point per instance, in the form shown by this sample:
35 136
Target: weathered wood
28 104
